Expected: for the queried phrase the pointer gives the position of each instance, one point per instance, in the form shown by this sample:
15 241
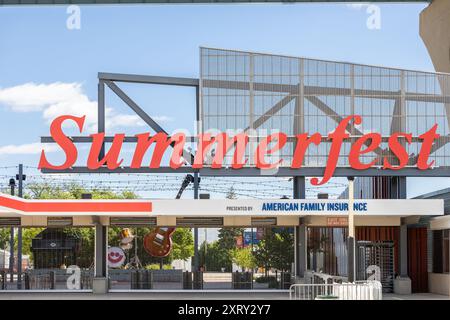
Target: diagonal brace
188 156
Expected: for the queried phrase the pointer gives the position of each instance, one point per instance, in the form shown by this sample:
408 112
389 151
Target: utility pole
12 185
20 177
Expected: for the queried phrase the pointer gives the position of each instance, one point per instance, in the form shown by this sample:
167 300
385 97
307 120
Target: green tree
227 236
244 258
215 258
231 193
183 244
27 235
276 249
4 237
72 191
227 242
263 256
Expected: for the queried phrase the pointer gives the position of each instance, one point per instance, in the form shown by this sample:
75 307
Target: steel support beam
300 241
159 80
143 115
101 116
135 107
324 91
101 244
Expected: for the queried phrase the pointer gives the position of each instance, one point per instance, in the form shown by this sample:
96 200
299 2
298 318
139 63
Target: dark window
441 251
327 250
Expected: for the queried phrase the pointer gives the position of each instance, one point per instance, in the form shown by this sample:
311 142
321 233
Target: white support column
351 233
100 283
300 253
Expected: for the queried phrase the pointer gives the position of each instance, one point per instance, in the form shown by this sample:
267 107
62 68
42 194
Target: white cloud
60 98
123 120
37 97
29 148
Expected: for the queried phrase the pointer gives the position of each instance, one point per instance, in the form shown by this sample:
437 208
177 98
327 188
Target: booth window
441 251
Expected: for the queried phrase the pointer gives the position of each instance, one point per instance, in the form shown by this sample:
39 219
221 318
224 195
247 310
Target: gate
375 261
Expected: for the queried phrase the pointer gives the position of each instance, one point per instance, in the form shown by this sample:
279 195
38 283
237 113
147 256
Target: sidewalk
186 296
207 295
415 296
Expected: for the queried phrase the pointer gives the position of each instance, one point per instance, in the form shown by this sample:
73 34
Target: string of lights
143 184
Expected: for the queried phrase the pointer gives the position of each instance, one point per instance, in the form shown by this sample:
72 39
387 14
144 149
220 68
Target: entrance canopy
223 212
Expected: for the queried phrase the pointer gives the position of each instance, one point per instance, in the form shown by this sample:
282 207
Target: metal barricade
367 290
39 281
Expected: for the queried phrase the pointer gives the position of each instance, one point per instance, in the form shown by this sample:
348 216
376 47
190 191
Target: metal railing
40 281
360 290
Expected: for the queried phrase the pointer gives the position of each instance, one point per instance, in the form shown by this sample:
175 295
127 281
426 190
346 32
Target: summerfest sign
268 146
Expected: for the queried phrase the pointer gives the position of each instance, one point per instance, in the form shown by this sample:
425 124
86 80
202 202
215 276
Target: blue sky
45 67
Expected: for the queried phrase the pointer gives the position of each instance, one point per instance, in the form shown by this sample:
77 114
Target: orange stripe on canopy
75 205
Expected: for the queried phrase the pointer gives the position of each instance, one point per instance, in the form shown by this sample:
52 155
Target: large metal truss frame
110 80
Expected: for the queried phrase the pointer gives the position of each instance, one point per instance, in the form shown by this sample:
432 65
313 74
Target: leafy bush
155 266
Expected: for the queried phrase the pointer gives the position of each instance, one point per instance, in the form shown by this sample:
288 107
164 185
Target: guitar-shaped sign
159 242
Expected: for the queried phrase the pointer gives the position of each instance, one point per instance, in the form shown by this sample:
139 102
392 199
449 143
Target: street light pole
12 185
21 178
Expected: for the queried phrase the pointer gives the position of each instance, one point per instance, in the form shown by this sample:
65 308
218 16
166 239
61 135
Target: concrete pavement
207 295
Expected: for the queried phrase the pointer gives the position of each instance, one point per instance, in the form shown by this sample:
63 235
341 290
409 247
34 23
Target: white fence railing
360 290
